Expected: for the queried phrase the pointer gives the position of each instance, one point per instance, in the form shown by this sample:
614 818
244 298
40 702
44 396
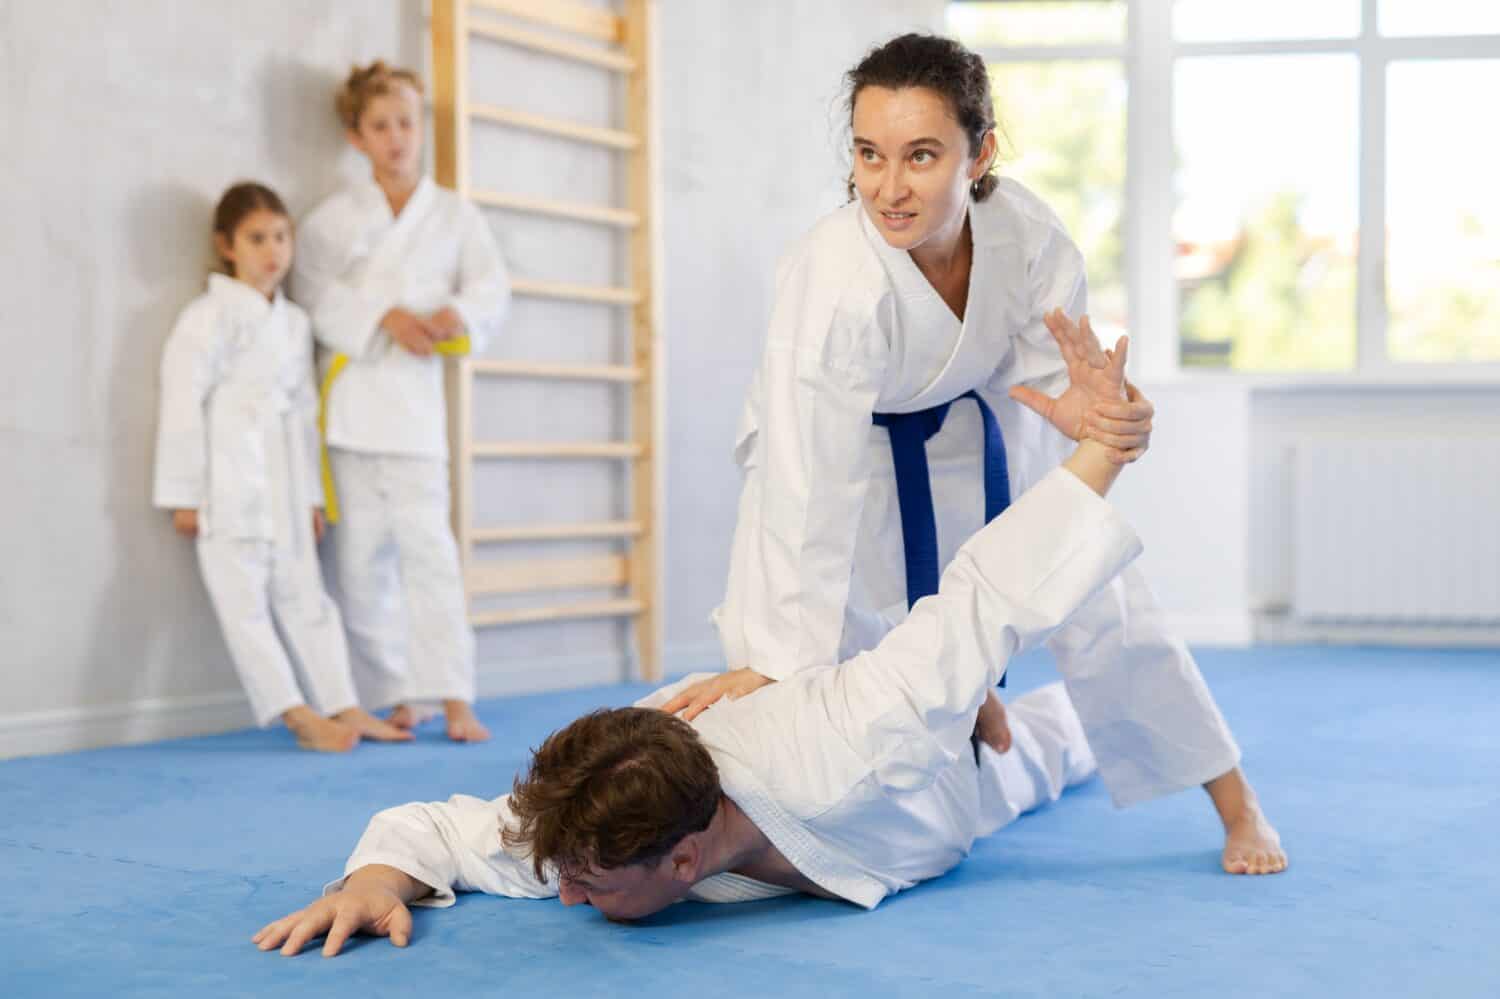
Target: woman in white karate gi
905 394
236 463
396 271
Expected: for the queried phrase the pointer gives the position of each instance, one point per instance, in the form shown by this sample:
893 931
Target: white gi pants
257 587
399 579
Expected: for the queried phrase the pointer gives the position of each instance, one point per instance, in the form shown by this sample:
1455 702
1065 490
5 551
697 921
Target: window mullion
1372 354
1149 206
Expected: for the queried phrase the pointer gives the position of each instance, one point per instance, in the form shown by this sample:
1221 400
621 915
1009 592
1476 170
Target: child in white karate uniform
396 271
236 465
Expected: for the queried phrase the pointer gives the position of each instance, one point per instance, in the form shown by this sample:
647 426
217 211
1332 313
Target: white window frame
1149 55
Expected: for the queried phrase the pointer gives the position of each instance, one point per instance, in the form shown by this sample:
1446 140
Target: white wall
1189 498
122 124
1213 497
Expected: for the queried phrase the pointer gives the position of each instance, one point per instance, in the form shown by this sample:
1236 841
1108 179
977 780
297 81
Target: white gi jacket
862 776
356 261
817 567
239 415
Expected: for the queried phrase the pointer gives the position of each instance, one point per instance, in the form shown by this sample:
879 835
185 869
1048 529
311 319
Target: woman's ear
985 159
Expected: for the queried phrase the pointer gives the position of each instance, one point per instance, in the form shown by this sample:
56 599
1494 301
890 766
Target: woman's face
913 166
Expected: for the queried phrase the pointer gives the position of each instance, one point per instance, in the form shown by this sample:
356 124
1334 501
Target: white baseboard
152 719
149 719
1223 629
1285 629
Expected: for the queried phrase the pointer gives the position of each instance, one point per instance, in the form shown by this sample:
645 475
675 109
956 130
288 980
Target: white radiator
1401 529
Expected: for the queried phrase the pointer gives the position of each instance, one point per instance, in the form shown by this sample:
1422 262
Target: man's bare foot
370 727
1252 846
322 735
463 726
991 727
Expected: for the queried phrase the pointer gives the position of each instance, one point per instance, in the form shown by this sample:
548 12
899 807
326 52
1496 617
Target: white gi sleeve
483 288
345 319
450 846
907 707
189 368
305 402
806 480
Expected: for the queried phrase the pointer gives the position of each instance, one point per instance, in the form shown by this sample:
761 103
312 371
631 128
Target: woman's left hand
1098 402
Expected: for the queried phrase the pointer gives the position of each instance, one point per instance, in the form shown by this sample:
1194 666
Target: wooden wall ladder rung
618 44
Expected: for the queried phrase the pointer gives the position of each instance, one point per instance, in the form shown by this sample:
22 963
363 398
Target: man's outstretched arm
420 853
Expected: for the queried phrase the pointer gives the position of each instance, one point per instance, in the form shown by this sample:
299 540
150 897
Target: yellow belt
456 347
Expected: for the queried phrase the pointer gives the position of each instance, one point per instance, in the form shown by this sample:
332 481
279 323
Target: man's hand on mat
1096 378
373 900
320 523
693 701
411 332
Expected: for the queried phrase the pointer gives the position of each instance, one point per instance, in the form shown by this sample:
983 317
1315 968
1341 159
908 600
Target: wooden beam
537 369
602 214
450 166
535 40
611 137
645 555
575 292
545 574
531 449
557 612
557 532
574 17
450 74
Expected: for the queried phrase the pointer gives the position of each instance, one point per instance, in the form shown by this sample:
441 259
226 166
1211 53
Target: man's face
625 893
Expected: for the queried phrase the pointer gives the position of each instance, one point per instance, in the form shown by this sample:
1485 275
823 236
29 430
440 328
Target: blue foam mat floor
144 870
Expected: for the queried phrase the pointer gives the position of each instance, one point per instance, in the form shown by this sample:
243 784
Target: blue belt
909 435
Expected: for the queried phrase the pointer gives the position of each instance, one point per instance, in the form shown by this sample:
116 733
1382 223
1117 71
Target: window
1300 195
1058 75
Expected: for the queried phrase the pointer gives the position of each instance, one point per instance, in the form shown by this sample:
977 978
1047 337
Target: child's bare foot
1252 846
370 727
462 725
991 727
322 735
408 717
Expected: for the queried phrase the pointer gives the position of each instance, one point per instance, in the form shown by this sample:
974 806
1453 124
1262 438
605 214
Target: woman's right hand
694 700
185 522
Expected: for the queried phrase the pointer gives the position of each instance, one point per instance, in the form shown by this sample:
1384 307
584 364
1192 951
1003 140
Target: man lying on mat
851 783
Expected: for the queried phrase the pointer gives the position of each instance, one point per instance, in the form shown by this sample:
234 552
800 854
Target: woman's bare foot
991 727
322 735
1252 846
1251 843
370 727
462 725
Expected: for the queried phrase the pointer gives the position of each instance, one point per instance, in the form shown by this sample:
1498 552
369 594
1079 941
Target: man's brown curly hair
617 787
